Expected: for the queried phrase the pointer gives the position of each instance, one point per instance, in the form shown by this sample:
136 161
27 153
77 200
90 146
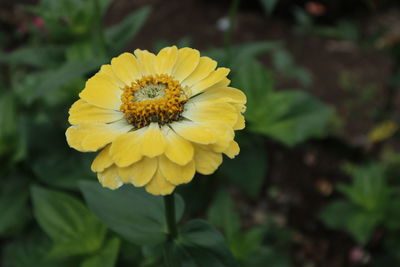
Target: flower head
157 119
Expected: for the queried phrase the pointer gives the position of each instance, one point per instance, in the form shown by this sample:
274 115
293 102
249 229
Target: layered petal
206 160
81 112
232 150
146 62
204 112
89 137
176 174
110 178
152 142
159 185
139 173
107 70
126 68
102 92
186 63
221 95
177 149
203 69
212 79
102 161
125 150
194 132
166 59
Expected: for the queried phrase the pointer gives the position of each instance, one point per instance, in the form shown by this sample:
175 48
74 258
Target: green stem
169 203
228 34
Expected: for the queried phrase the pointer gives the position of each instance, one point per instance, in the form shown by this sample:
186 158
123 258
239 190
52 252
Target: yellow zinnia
157 118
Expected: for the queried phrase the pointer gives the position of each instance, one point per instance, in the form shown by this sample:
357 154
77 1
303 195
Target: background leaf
73 229
134 214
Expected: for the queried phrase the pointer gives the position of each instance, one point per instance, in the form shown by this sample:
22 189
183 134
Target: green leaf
369 188
106 257
31 250
292 117
68 168
257 83
269 5
73 229
14 196
69 71
248 169
199 245
221 214
119 35
358 222
35 56
134 214
243 245
330 214
8 123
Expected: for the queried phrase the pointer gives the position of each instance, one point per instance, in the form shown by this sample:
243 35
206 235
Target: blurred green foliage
56 214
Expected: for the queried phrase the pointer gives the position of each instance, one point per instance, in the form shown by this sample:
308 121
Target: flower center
157 98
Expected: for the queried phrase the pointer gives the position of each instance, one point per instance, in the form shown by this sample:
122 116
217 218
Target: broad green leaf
292 117
248 169
330 214
134 214
31 250
198 245
35 56
222 215
14 196
257 83
369 188
68 168
357 222
243 245
119 35
73 229
69 71
106 256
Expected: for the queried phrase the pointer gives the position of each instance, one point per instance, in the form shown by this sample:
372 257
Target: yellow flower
157 118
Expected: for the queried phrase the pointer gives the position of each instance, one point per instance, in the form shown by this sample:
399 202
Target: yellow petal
125 67
166 59
232 150
224 134
178 149
194 132
206 111
89 137
81 112
204 68
102 161
102 92
159 185
107 70
146 62
139 173
214 78
223 83
220 95
125 149
206 160
110 178
153 141
186 63
240 123
176 174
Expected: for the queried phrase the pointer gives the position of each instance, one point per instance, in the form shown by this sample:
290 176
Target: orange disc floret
153 98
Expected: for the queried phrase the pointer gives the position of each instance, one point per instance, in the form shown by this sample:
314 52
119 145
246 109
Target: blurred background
317 182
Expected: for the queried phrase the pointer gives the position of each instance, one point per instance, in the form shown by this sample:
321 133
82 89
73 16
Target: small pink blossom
314 8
